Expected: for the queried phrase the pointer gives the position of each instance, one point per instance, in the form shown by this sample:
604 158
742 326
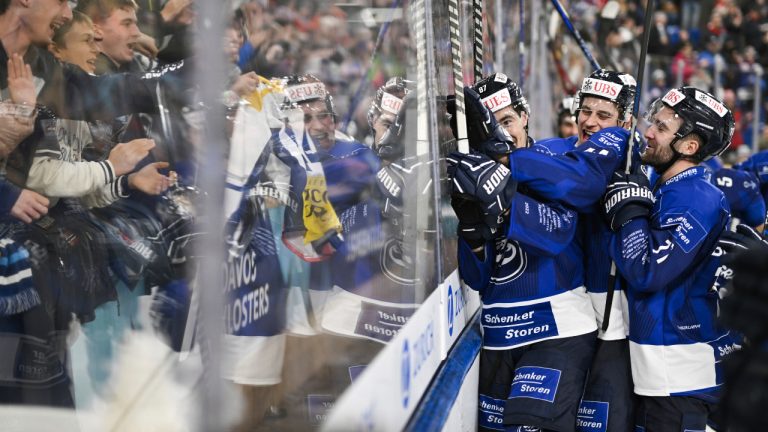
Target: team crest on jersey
395 265
511 261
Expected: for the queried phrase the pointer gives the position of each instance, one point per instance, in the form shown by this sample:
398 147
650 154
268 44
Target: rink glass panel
254 291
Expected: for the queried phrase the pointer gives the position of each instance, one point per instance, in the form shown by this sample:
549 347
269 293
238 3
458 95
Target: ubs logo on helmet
602 88
511 260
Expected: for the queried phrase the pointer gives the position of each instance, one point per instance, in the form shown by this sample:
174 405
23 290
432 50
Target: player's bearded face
514 123
660 133
595 114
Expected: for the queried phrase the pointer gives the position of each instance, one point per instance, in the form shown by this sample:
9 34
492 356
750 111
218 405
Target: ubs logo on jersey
405 374
395 265
511 261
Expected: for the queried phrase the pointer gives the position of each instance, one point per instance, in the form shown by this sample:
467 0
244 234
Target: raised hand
125 156
20 81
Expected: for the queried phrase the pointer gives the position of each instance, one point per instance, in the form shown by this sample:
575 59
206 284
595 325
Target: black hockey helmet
389 98
617 87
498 91
301 89
393 97
703 115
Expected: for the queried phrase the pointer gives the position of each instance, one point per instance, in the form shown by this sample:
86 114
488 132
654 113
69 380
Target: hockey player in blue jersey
375 295
757 164
539 323
742 191
349 166
604 100
663 246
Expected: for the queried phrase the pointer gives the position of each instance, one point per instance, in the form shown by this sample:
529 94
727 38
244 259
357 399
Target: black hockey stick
477 12
521 43
576 35
628 166
454 24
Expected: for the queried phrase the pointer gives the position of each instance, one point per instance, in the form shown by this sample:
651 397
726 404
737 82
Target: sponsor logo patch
592 416
303 92
491 412
601 88
499 100
509 326
390 103
673 97
318 407
711 103
535 382
381 322
689 232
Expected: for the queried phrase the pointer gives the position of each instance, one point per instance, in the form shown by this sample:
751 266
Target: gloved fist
484 133
472 227
390 181
745 237
628 196
400 183
476 177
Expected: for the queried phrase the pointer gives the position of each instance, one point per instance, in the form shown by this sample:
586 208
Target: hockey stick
628 165
521 43
575 34
477 12
458 76
640 74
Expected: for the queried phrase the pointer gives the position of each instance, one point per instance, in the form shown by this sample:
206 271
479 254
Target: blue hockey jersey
596 237
576 178
350 170
742 191
531 279
757 164
676 343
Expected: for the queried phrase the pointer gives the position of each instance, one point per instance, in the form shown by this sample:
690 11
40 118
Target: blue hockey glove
628 196
390 181
476 177
404 180
484 133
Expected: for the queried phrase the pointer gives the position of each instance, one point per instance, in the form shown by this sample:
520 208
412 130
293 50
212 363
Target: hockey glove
745 237
484 133
628 196
390 182
472 227
476 177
